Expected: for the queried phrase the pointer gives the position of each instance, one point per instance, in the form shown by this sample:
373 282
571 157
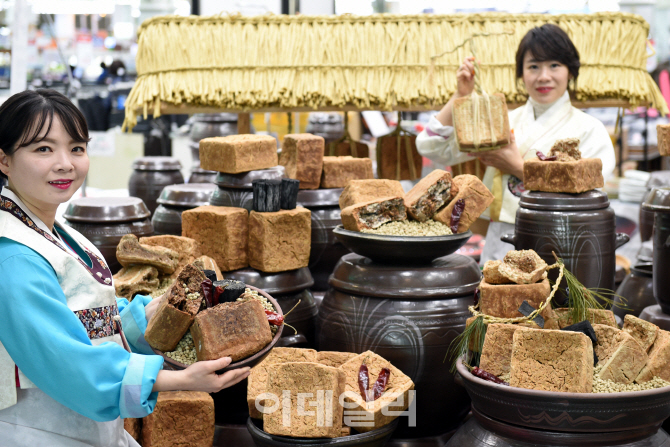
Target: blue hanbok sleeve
49 344
134 322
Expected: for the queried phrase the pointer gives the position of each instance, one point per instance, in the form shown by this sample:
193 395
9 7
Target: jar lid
658 199
448 277
558 201
157 163
244 180
186 194
216 117
106 209
275 283
319 197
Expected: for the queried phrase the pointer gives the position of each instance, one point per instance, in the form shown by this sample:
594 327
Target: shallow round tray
401 249
249 361
567 412
374 438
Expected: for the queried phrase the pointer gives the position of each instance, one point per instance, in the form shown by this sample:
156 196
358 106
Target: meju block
235 154
338 171
477 198
552 360
359 191
302 156
281 240
221 232
180 418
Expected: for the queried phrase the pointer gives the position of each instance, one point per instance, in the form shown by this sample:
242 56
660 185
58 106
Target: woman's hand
465 77
201 376
507 159
150 309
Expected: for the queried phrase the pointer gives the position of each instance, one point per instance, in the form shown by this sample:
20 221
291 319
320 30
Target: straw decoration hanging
382 62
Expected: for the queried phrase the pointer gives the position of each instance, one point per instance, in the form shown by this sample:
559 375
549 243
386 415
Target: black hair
548 43
24 115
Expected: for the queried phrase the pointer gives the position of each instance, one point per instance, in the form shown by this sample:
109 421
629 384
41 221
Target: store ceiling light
72 7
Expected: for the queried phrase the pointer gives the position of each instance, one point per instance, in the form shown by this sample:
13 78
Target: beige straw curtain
378 62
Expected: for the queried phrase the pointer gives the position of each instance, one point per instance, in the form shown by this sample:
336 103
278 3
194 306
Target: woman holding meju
547 62
65 378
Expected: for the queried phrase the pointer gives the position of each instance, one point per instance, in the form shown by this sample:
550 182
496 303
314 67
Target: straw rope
490 319
377 62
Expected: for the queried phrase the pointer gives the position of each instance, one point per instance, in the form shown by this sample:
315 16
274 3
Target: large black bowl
374 438
567 412
401 249
250 361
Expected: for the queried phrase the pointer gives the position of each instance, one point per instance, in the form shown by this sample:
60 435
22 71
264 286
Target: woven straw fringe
380 62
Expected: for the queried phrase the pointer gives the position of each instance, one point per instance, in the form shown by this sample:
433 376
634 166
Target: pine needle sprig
470 340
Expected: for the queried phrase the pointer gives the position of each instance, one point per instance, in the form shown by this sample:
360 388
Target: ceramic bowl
401 249
374 438
249 361
567 412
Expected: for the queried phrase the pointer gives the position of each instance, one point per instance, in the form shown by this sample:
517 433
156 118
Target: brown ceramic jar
409 315
174 200
105 220
638 290
237 190
579 228
150 175
326 248
658 201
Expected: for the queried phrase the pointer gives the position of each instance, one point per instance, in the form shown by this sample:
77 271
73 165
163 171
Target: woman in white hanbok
546 62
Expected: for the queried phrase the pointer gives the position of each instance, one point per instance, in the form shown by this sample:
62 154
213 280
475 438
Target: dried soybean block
398 163
186 248
258 377
480 138
477 198
346 431
236 330
302 156
360 191
663 135
563 176
316 416
595 316
492 275
222 234
338 171
642 331
658 364
497 350
429 195
552 360
176 310
135 279
373 214
130 252
606 342
398 385
503 300
134 427
235 154
180 418
280 241
334 358
626 361
523 267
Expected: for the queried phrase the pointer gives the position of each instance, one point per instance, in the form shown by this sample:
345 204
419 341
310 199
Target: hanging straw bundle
383 62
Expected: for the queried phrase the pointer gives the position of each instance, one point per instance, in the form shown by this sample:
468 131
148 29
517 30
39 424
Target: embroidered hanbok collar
11 204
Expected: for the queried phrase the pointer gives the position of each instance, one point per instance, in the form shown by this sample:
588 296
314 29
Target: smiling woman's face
47 172
545 81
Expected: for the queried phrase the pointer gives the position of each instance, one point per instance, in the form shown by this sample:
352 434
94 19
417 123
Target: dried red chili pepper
206 288
363 381
216 293
543 157
274 318
380 385
456 214
478 372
